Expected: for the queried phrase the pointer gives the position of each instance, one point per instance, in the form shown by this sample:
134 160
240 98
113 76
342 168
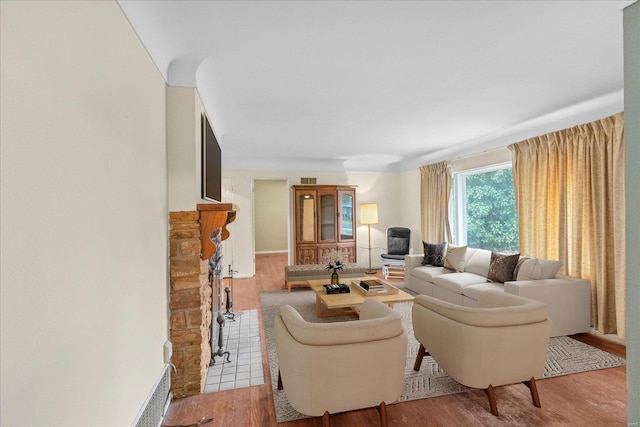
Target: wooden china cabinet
324 220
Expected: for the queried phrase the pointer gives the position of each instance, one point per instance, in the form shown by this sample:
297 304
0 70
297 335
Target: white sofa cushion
428 272
537 269
456 282
474 291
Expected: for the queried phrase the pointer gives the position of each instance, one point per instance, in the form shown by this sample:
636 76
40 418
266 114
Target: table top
355 298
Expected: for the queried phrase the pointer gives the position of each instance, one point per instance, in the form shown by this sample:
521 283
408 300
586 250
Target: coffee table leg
318 306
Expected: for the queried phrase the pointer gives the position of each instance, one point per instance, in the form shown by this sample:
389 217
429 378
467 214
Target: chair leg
280 386
422 352
325 419
534 391
492 400
383 414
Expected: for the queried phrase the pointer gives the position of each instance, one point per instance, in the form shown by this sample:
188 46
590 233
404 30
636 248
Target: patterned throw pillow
502 266
434 253
455 258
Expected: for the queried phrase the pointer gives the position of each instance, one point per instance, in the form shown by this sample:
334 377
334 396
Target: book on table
339 288
371 287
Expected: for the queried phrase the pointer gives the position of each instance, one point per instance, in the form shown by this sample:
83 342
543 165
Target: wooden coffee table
342 304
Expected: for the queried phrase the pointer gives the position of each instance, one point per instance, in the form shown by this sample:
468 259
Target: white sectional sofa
568 299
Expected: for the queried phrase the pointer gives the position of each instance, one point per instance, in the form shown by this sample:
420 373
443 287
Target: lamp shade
369 213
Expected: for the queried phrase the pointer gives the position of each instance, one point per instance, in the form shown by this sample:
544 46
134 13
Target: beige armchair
327 368
503 341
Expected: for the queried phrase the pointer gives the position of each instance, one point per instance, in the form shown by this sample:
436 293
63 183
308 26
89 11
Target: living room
87 183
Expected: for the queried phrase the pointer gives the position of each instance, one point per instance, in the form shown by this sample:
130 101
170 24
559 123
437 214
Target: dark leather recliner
398 245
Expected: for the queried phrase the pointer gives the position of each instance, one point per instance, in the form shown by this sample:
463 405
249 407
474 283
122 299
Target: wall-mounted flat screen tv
211 163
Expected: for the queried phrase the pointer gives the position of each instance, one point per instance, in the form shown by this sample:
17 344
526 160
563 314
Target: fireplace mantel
212 217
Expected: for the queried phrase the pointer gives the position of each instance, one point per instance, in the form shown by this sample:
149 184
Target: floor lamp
368 216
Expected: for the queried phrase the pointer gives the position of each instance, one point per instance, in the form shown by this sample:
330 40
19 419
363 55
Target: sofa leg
280 386
492 400
383 414
534 391
421 353
325 419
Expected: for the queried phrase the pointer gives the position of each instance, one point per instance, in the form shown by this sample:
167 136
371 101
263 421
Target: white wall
409 188
83 217
397 196
632 176
184 148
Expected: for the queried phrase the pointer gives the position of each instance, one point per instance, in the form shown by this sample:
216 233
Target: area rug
564 356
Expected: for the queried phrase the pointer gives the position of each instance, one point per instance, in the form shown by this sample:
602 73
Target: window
483 209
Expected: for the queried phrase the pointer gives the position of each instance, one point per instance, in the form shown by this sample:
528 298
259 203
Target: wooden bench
298 275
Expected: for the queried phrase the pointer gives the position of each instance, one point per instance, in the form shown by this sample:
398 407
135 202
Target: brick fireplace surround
190 297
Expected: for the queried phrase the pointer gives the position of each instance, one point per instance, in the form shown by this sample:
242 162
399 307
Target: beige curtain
569 189
435 190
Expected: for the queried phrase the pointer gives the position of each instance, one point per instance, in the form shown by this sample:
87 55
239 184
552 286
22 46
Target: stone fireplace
191 294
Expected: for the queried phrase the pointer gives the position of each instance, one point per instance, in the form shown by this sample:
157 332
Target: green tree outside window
490 210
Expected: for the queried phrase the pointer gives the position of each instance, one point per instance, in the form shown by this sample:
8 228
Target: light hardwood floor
596 398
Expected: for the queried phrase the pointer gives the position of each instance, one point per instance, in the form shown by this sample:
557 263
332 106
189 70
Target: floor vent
157 401
307 180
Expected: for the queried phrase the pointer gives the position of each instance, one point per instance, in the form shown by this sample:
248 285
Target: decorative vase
335 279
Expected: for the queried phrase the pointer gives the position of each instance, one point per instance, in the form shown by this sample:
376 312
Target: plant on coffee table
336 264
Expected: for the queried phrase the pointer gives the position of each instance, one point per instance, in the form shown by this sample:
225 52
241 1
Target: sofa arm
546 287
412 261
568 300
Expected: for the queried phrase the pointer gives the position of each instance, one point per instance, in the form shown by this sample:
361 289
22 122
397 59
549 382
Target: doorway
271 209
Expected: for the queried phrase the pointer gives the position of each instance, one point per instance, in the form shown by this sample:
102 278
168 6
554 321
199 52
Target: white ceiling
385 85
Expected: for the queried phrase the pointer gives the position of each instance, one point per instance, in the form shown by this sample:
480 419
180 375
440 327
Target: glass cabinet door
327 212
306 217
345 216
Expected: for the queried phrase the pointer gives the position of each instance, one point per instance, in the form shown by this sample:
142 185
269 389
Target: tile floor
242 340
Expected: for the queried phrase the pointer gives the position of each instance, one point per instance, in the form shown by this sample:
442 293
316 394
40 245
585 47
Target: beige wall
83 211
271 215
183 138
632 176
397 195
184 148
83 226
